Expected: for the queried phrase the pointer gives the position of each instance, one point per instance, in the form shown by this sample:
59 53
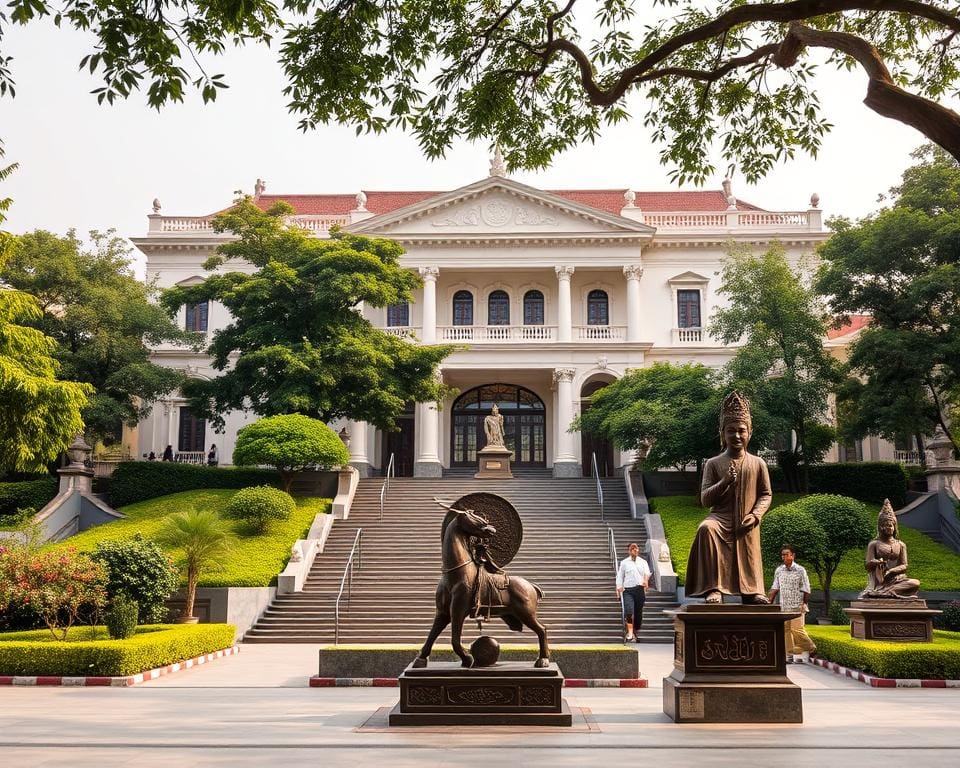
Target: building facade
550 296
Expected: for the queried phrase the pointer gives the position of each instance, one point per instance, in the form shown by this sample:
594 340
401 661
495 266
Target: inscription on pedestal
678 649
536 696
481 696
691 704
493 465
899 629
744 649
423 695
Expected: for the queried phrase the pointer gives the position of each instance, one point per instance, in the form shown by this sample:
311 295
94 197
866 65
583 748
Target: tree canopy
40 414
101 318
297 343
901 266
782 363
540 77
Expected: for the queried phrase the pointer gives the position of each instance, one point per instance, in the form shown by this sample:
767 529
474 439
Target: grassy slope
254 561
936 566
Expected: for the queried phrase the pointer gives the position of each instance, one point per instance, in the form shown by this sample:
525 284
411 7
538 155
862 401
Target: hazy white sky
93 167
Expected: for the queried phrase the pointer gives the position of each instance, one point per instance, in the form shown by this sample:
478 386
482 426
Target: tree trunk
286 480
191 593
827 597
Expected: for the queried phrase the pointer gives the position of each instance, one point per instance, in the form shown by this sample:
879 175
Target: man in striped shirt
791 583
633 577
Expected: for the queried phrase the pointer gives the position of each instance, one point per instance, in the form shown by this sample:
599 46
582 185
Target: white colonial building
552 295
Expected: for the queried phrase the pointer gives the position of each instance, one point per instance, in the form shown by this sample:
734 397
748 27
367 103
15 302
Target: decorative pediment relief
497 214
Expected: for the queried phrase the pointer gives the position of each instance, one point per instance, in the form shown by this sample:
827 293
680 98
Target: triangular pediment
499 207
689 277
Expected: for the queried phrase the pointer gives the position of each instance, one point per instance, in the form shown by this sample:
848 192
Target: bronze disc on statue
502 515
485 651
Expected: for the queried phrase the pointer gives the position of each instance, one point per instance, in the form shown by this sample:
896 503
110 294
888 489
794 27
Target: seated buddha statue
886 561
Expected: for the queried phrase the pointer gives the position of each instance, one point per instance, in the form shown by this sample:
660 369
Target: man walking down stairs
566 550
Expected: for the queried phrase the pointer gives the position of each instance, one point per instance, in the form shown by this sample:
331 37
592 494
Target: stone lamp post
945 475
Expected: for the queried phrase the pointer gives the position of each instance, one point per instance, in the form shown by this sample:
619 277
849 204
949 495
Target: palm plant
203 539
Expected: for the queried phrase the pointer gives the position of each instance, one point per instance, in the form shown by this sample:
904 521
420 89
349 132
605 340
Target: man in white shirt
791 583
633 577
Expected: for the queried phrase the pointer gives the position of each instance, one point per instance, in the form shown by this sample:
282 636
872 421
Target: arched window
598 308
463 308
398 315
498 308
533 308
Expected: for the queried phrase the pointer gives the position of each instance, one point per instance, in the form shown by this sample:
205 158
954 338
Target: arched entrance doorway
524 424
591 444
401 444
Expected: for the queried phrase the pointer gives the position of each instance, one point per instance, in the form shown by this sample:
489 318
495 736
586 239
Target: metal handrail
596 476
391 472
348 581
612 546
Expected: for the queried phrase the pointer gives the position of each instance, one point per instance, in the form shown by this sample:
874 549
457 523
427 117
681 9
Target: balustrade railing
600 332
403 331
203 224
911 458
190 457
495 333
687 335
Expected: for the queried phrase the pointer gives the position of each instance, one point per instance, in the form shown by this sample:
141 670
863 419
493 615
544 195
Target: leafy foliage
296 343
57 585
794 526
290 443
121 618
203 541
135 481
102 318
902 267
939 660
40 413
781 364
668 410
258 506
88 653
139 570
871 481
951 616
540 77
26 494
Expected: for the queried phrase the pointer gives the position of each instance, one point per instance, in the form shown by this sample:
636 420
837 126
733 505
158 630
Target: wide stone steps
565 551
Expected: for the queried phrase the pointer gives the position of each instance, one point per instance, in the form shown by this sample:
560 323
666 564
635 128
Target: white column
565 463
633 273
359 456
428 441
172 412
564 312
428 335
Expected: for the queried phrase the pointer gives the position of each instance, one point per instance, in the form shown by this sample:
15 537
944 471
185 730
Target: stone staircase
565 551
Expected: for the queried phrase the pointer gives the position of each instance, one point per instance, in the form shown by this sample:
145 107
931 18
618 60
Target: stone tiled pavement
256 709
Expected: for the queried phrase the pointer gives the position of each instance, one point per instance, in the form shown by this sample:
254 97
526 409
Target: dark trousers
633 600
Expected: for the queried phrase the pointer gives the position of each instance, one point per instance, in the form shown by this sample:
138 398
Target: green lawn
936 566
254 561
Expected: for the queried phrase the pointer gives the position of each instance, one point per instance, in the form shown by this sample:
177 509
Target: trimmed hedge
37 653
27 493
939 660
134 481
871 481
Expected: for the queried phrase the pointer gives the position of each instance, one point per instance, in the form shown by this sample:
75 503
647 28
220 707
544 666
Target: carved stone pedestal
730 666
509 693
896 621
494 463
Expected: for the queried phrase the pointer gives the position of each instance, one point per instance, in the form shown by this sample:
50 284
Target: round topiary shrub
121 618
259 505
141 571
951 616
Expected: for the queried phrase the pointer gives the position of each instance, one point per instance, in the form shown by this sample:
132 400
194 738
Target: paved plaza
256 709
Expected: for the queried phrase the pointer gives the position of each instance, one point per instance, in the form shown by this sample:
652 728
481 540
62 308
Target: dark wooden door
589 445
403 447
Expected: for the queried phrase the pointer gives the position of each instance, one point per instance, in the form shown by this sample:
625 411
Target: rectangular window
688 309
197 316
398 315
192 432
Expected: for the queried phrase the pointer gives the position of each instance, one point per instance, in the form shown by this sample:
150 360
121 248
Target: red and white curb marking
122 682
883 682
392 682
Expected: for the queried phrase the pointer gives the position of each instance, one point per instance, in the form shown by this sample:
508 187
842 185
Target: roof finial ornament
728 194
497 165
814 200
361 201
156 205
630 199
259 188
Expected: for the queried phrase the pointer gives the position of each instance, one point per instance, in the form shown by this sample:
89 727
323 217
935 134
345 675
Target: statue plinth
730 666
508 693
896 621
494 463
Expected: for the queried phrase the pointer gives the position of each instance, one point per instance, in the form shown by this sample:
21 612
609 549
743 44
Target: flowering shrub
56 584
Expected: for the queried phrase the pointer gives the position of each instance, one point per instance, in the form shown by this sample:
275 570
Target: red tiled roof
854 324
608 200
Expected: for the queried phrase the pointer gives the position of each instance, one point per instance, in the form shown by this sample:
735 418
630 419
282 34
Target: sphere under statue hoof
485 651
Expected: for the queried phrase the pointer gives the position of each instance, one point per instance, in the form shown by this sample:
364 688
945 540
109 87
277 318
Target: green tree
669 411
203 540
781 363
258 505
824 528
296 343
5 171
901 266
291 443
139 570
102 319
40 414
538 76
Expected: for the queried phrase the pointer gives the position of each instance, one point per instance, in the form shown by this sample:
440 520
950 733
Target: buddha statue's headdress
735 407
887 513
